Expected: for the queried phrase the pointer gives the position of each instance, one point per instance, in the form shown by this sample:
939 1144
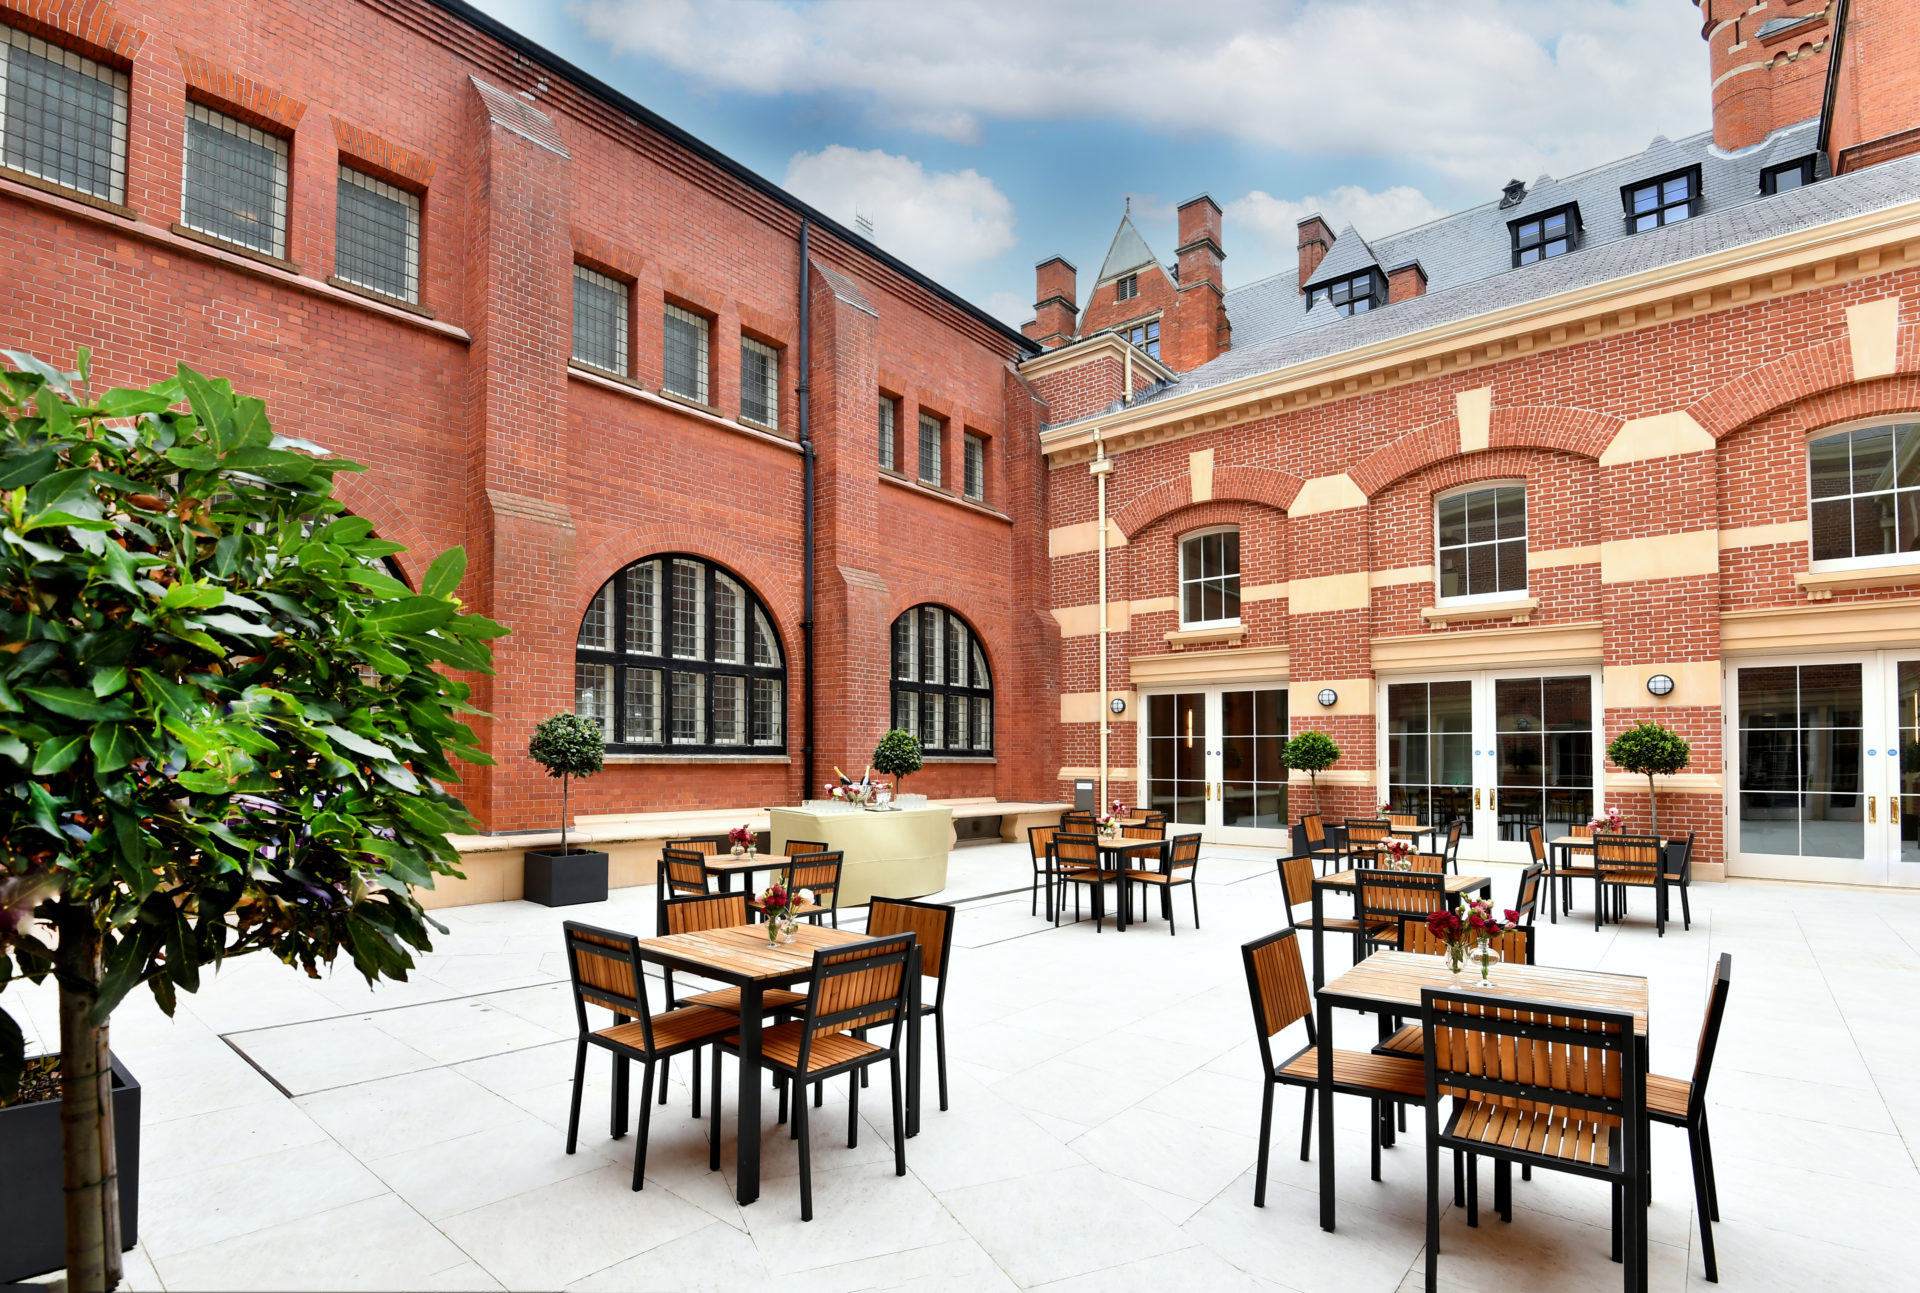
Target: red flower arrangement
1471 926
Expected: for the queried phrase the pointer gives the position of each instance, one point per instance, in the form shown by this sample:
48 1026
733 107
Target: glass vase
1485 957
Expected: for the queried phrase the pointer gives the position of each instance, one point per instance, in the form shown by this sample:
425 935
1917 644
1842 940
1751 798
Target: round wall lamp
1660 685
1328 696
1118 705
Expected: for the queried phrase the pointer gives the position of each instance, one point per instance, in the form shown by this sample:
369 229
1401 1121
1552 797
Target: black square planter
563 879
33 1218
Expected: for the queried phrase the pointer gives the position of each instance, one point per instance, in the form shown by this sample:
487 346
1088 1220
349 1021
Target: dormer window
1667 200
1146 336
1787 175
1127 288
1539 237
1364 291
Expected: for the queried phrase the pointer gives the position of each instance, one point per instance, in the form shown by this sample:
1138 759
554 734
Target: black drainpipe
806 521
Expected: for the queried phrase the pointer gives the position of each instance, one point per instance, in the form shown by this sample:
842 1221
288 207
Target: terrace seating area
1092 1106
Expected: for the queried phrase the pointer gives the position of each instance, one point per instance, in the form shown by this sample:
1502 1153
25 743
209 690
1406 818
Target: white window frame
1851 563
772 393
1186 579
14 38
226 121
1526 539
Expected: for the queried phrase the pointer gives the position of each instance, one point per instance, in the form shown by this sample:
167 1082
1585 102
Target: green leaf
19 470
71 702
124 403
192 594
114 746
445 574
379 582
53 377
358 744
408 615
107 681
13 748
205 782
212 407
193 458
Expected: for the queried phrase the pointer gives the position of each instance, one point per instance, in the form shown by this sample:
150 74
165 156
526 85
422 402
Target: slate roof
1475 245
1129 252
1452 295
1348 255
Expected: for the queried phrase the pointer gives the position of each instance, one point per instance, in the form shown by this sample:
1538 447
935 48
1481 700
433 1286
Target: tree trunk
563 814
1313 779
1653 806
89 1172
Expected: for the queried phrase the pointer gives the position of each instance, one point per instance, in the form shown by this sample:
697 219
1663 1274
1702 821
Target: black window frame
909 622
1661 208
1770 177
754 611
1523 243
1340 294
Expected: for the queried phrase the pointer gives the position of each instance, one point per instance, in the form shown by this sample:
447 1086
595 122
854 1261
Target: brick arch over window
1816 370
1258 485
362 497
1583 432
777 590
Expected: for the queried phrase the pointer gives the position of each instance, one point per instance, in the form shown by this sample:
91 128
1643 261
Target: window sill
959 758
375 294
232 248
71 195
1819 585
712 410
635 391
1520 610
1180 639
898 481
698 758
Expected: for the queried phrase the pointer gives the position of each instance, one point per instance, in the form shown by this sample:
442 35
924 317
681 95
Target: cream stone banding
1475 411
1200 474
1873 335
1665 435
1327 494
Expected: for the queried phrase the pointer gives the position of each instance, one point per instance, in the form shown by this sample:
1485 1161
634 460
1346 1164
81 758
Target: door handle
1893 809
1476 796
1872 800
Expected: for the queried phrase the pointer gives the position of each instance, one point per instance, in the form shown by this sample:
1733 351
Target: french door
1212 761
1500 753
1826 769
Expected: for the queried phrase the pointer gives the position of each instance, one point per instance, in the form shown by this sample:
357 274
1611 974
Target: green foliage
898 756
222 722
1650 750
1310 752
568 745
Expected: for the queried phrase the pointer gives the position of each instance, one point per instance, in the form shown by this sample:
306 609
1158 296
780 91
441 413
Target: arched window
676 656
942 692
1865 494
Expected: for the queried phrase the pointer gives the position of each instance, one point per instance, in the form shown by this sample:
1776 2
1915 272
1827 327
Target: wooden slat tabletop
1393 980
1456 884
744 952
1584 840
728 863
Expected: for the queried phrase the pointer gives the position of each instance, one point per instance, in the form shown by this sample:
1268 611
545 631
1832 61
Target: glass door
1902 765
1213 762
1498 754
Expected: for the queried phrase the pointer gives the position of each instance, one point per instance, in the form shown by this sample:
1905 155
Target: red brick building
1458 495
1637 444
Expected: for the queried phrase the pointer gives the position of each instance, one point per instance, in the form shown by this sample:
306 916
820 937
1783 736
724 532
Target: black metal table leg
913 1041
747 1151
1325 1039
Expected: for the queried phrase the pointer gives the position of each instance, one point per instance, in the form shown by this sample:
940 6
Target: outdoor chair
1363 839
708 845
1621 862
796 847
1077 820
1277 988
1429 863
861 986
1679 1103
1680 873
1145 860
1296 887
1558 1088
685 871
1526 903
819 872
696 915
1567 870
1076 860
1040 842
1402 822
932 924
1386 896
604 967
1452 847
1315 843
1178 863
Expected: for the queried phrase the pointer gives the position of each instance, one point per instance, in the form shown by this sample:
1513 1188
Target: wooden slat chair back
1184 853
1386 896
1277 987
1040 839
796 847
932 924
604 966
1078 821
819 872
1430 863
1152 815
1537 844
708 846
1078 852
1527 904
686 870
1452 849
1627 859
1315 828
1296 881
701 913
1515 946
1403 820
1681 1103
1144 831
1365 832
856 987
1717 989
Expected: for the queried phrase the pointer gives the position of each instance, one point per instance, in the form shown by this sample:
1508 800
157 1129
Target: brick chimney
1768 65
1200 329
1056 304
1316 240
1405 282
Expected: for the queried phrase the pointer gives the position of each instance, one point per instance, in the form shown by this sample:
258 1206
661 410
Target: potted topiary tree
1311 753
898 756
1651 751
567 746
223 729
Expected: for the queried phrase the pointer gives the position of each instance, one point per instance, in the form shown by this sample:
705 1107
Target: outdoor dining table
1388 984
740 956
1344 881
1121 851
1560 851
725 866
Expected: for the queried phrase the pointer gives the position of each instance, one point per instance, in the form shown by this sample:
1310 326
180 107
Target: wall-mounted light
1328 697
1660 685
1118 705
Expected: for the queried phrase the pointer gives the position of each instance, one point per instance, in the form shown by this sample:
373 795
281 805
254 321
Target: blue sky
981 136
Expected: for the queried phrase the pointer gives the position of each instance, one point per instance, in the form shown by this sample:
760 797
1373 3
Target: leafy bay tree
898 756
1312 753
223 723
1650 750
568 746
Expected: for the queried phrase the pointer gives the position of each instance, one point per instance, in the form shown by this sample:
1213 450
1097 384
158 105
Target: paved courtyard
303 1134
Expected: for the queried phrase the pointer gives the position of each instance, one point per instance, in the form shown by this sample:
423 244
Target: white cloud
937 221
1480 89
1009 307
1263 229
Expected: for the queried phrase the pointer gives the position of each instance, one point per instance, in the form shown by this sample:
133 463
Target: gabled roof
1472 245
1128 253
1349 255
